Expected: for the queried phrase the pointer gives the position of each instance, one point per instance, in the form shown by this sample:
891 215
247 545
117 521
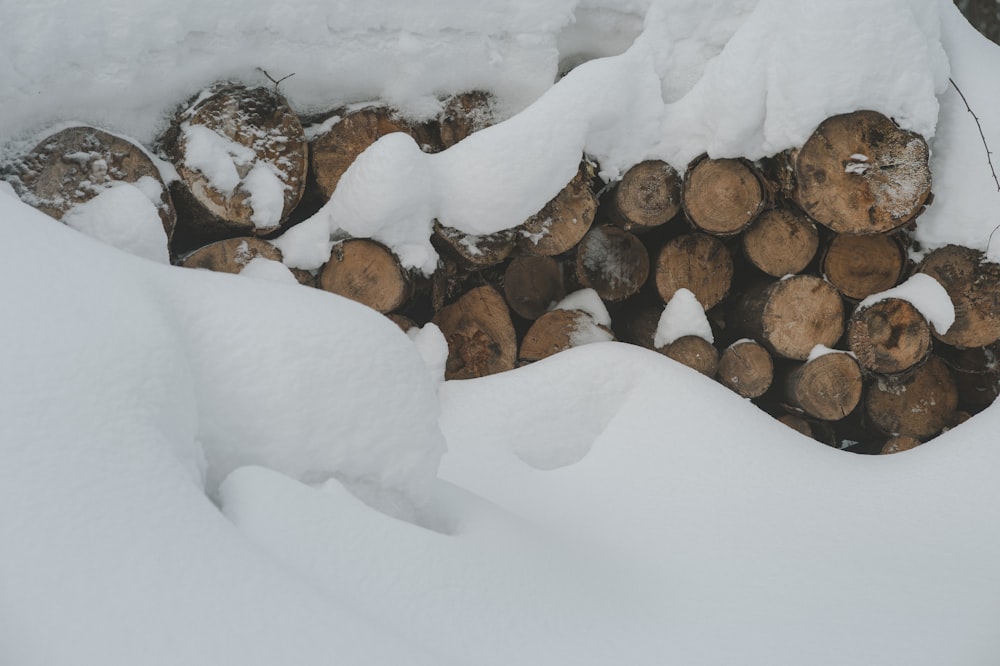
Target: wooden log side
889 336
722 196
695 352
828 387
366 271
648 195
746 368
859 173
974 287
231 255
532 284
463 114
331 153
696 262
480 334
919 403
558 331
790 316
470 251
563 222
859 266
898 443
612 262
76 164
781 241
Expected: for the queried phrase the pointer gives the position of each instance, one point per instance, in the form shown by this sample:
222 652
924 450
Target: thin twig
981 135
278 81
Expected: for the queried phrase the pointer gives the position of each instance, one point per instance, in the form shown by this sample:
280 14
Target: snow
681 317
586 300
925 294
266 269
201 468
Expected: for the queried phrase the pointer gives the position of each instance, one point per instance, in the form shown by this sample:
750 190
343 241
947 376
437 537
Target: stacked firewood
779 253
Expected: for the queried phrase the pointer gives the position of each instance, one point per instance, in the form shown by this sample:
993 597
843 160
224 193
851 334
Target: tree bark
747 368
722 197
919 403
859 266
974 287
648 195
781 241
698 263
889 336
612 262
366 271
480 334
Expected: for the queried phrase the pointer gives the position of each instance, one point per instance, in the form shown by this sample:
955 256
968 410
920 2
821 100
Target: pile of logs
780 254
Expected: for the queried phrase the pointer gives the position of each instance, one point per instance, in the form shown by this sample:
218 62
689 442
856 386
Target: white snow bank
925 294
682 316
268 269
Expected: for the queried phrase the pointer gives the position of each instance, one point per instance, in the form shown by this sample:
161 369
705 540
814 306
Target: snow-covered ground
199 468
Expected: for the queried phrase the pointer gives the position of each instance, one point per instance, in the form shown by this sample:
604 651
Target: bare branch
270 78
981 135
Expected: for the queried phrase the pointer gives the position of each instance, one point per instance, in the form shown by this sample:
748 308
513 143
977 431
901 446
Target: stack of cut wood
780 253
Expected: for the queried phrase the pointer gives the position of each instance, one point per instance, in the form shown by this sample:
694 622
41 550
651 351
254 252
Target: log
974 287
558 331
480 334
828 387
919 403
231 255
73 166
898 443
790 316
240 154
747 368
648 195
859 173
464 114
533 284
976 372
366 271
697 262
723 196
781 241
859 266
612 262
695 352
470 251
404 322
889 336
563 222
333 151
797 423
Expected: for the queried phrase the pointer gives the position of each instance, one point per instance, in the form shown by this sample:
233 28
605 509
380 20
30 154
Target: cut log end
746 368
859 266
480 335
532 284
648 195
781 242
464 114
563 221
900 443
231 255
828 387
366 271
612 262
694 352
919 403
722 196
698 263
558 331
889 336
973 285
473 252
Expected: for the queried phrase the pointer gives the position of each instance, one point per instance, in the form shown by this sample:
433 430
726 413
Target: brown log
331 153
648 195
231 255
267 145
797 423
889 336
859 266
73 166
562 223
747 368
898 443
974 287
612 262
790 316
920 403
828 387
781 241
366 271
404 322
695 352
532 285
976 372
723 196
480 334
698 263
859 173
464 114
473 252
305 278
558 331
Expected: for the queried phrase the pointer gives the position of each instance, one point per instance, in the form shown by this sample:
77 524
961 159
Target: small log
695 352
231 255
241 157
781 242
859 266
75 165
859 173
919 403
558 331
828 387
470 251
563 222
889 336
331 153
464 114
612 262
797 423
976 372
480 334
723 196
898 443
533 284
697 262
790 316
974 287
648 195
366 271
747 368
